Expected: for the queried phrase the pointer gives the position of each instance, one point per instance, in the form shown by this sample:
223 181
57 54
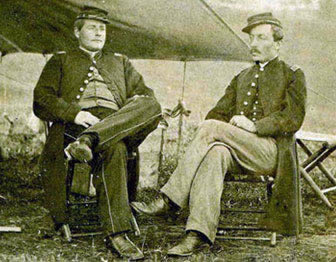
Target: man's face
262 45
92 35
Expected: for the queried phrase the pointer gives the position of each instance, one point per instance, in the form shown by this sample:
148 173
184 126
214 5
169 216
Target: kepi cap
264 18
95 13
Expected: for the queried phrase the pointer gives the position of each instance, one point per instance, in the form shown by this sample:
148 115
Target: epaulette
117 54
294 67
60 52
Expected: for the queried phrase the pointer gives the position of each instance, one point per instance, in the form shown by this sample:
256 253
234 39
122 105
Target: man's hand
244 123
86 119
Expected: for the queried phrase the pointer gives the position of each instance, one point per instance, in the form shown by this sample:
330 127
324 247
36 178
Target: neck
263 64
91 53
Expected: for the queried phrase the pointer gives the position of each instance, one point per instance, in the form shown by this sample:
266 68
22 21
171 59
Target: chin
95 48
255 58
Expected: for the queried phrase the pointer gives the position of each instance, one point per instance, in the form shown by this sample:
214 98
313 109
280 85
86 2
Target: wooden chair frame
68 229
248 227
315 159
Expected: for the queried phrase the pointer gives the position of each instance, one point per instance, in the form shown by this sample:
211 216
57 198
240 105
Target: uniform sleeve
226 106
134 81
47 104
290 118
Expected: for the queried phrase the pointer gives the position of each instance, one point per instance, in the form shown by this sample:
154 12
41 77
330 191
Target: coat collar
270 64
87 55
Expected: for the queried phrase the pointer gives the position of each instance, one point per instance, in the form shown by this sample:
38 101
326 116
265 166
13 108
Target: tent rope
11 43
15 80
321 95
221 20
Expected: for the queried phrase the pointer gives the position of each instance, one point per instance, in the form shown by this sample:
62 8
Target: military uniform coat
282 99
56 99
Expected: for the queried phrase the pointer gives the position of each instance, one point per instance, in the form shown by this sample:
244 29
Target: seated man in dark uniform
251 129
99 109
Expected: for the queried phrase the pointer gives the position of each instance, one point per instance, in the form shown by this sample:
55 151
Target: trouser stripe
108 199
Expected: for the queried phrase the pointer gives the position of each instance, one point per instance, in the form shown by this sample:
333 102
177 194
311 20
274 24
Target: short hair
277 33
79 23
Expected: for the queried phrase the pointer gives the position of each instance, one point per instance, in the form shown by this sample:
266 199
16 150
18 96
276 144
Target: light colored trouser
217 148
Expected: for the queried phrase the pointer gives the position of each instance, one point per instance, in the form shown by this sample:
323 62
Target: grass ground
21 186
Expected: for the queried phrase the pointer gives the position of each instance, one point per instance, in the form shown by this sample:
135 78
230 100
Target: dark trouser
117 134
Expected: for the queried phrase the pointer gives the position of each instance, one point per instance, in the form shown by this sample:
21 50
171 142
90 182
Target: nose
98 32
253 42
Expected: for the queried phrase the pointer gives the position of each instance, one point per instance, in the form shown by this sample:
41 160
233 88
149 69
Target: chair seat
329 139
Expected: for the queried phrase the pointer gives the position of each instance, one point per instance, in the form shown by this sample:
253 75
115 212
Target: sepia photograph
168 130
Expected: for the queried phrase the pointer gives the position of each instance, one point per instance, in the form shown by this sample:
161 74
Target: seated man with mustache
251 129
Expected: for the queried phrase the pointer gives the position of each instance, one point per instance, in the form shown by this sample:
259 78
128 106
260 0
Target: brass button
89 74
248 93
245 103
253 119
262 69
253 84
256 102
91 68
254 113
81 89
78 96
94 61
254 108
256 76
86 81
242 112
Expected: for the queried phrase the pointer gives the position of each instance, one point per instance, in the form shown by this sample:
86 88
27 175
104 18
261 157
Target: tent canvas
151 29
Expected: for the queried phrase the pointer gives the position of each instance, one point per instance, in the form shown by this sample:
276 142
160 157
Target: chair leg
273 239
315 187
66 232
323 169
136 227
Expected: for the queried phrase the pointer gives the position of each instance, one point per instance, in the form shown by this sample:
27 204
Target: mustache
254 50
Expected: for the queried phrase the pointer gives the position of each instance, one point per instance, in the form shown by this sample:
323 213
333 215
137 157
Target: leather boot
160 206
124 247
79 150
189 244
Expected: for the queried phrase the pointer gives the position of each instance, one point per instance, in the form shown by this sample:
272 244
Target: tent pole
180 123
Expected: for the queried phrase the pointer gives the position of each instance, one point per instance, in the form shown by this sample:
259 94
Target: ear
76 32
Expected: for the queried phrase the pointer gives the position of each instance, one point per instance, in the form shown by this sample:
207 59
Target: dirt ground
20 185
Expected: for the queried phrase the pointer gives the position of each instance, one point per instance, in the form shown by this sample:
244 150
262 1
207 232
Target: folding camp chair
222 232
180 109
83 209
327 145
